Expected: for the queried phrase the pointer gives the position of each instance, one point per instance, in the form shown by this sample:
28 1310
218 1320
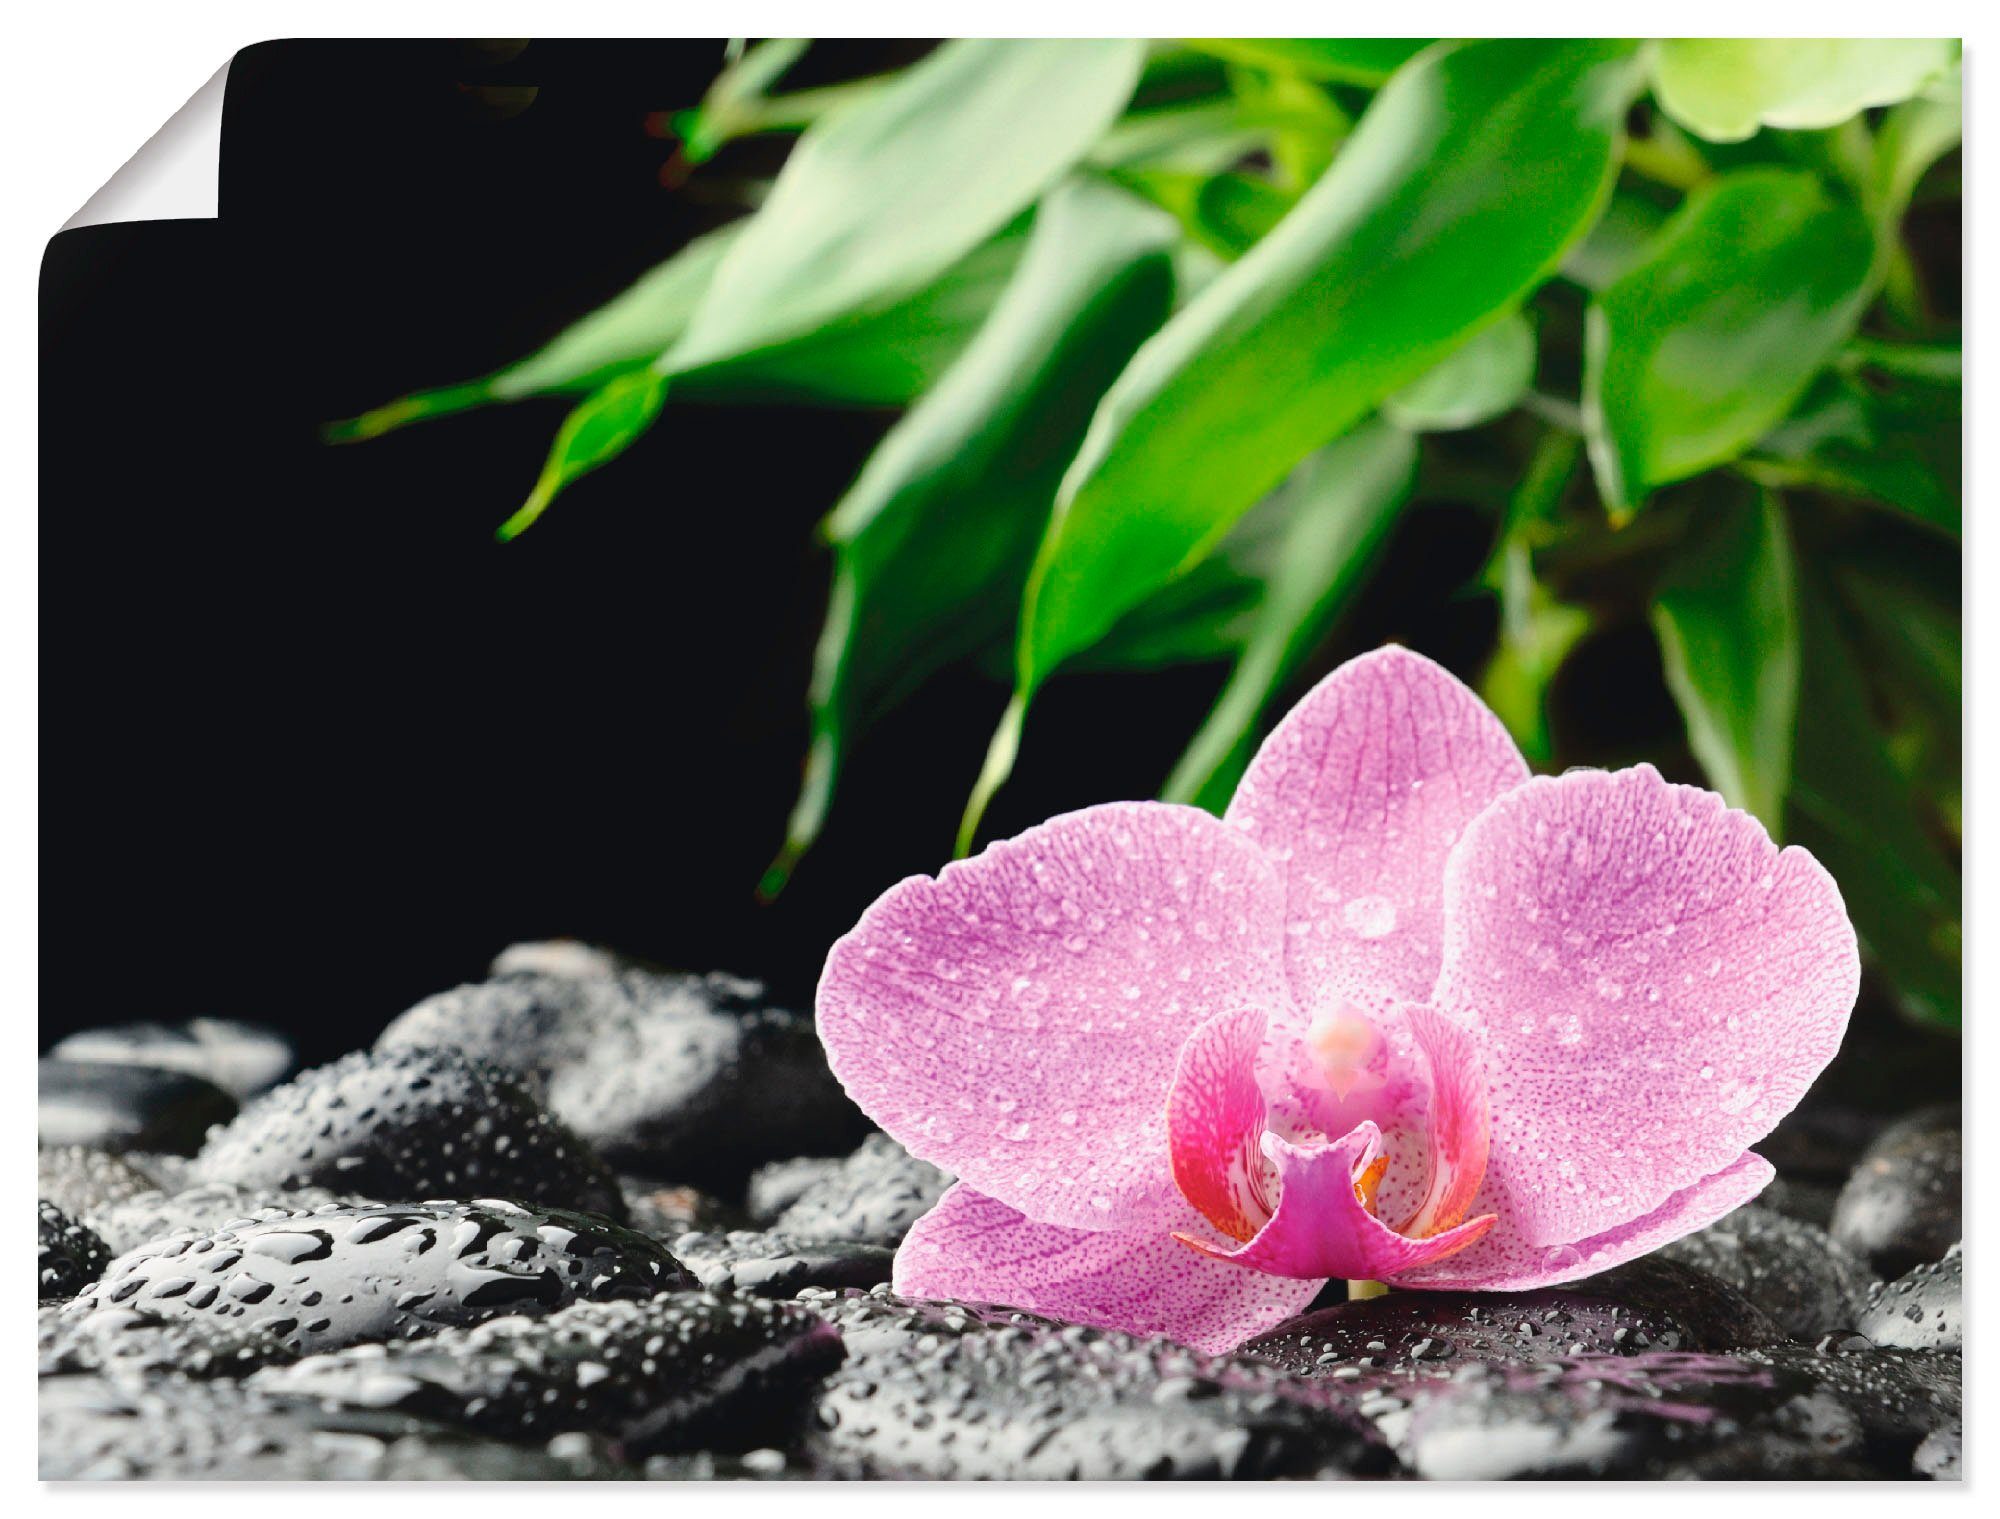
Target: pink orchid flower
1406 1014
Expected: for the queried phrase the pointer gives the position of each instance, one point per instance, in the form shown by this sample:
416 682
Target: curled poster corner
176 174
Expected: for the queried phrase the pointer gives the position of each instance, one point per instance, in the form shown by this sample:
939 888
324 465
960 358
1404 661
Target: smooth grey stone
126 1107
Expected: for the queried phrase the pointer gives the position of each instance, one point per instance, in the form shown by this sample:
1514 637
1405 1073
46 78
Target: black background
315 745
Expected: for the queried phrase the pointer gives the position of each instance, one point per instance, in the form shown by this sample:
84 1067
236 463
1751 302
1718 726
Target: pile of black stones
586 1219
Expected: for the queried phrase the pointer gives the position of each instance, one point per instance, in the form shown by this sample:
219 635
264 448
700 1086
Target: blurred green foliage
1180 326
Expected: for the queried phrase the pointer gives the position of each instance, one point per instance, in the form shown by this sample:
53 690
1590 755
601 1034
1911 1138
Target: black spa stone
94 1428
1647 1305
136 1221
779 1265
1808 1282
678 1372
1904 1204
410 1124
1924 1309
874 1195
694 1078
343 1276
136 1345
83 1182
1781 1412
109 1106
71 1254
241 1058
939 1392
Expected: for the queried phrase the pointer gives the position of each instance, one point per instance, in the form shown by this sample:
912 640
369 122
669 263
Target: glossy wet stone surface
135 1221
343 1276
1649 1305
241 1058
83 1182
697 1078
943 1392
778 1265
1809 1283
1788 1411
135 1344
1904 1203
93 1428
873 1195
71 1254
1924 1309
410 1124
125 1107
678 1372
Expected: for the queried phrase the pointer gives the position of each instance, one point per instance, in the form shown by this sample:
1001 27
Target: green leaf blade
883 195
1341 505
602 427
1726 617
1725 88
1481 379
1697 351
934 540
1337 308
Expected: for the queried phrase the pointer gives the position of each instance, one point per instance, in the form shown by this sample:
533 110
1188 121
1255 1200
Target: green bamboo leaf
1339 505
1537 629
1479 380
1227 213
1339 60
1726 616
1895 438
883 355
1915 135
1724 88
1699 350
1422 232
882 196
601 428
1623 236
631 330
1855 812
933 542
733 99
887 356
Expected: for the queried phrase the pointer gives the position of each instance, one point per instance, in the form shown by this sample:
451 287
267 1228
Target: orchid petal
1654 984
1215 1117
1505 1262
1323 1228
1017 1020
1360 793
972 1248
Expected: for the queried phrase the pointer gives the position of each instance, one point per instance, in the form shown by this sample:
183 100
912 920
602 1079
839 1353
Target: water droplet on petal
1369 917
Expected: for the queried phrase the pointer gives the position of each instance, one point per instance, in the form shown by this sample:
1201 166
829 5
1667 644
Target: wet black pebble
1785 1412
83 1182
874 1195
1649 1305
342 1276
93 1428
126 1107
1809 1283
939 1392
778 1265
135 1345
1923 1309
677 1372
1904 1204
241 1058
136 1221
697 1078
72 1255
410 1123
